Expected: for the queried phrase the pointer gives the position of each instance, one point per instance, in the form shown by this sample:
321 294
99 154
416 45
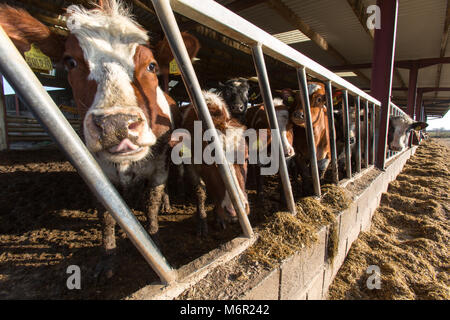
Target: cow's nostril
134 125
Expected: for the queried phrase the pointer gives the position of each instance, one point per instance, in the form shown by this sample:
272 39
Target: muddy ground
409 237
48 221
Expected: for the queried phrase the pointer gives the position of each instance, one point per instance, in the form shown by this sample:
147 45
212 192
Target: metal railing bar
173 35
219 18
26 84
358 134
261 71
374 133
332 129
304 94
366 135
346 119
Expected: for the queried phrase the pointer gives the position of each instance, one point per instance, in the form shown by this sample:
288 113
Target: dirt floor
409 237
48 222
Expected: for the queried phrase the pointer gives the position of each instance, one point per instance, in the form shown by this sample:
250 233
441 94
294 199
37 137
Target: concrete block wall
307 275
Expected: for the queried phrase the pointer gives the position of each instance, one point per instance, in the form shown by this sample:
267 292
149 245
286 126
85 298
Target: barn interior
332 33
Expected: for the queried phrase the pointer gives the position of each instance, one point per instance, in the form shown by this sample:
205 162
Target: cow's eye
151 67
70 63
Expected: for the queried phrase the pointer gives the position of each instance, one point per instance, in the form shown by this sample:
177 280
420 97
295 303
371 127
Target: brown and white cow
127 119
256 118
204 175
316 91
399 127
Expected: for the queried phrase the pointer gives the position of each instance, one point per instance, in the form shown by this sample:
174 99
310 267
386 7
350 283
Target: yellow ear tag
185 152
37 60
255 145
290 100
173 68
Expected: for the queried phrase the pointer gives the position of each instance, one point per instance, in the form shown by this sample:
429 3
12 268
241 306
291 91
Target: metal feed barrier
217 17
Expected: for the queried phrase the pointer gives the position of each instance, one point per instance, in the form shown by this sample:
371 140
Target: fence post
346 118
303 84
260 66
366 135
358 134
330 114
382 70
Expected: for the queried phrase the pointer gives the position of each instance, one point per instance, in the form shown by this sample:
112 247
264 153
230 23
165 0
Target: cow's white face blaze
105 55
399 127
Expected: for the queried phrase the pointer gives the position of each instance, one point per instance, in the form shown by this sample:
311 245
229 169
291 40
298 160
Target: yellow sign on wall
69 109
173 68
37 60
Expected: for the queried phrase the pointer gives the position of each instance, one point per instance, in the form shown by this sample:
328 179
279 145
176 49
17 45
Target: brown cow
127 119
205 176
316 91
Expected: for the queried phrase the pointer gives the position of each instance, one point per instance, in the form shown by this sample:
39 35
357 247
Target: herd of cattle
128 119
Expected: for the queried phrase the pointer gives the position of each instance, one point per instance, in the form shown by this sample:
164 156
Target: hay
409 236
279 238
284 234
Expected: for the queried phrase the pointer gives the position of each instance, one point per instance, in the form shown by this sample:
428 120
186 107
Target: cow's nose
299 115
238 108
117 127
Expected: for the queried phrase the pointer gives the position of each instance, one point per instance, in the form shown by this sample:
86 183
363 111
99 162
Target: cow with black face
127 118
235 94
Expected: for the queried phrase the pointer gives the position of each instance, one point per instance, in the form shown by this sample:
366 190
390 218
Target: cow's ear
24 30
164 54
417 126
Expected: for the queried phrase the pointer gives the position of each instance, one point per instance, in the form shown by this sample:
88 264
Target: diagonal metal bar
303 84
258 58
23 80
330 114
172 32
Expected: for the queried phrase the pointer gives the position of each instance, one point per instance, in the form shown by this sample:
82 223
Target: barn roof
422 34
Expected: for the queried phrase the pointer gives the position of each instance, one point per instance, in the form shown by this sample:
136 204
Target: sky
440 123
9 90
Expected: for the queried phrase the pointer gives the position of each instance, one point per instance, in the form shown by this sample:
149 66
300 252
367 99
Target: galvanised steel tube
303 84
366 135
264 85
217 17
173 35
26 84
330 114
348 159
358 134
374 132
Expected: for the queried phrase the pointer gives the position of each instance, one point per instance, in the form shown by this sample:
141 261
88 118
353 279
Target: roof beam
360 10
404 64
290 16
424 89
444 42
240 5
